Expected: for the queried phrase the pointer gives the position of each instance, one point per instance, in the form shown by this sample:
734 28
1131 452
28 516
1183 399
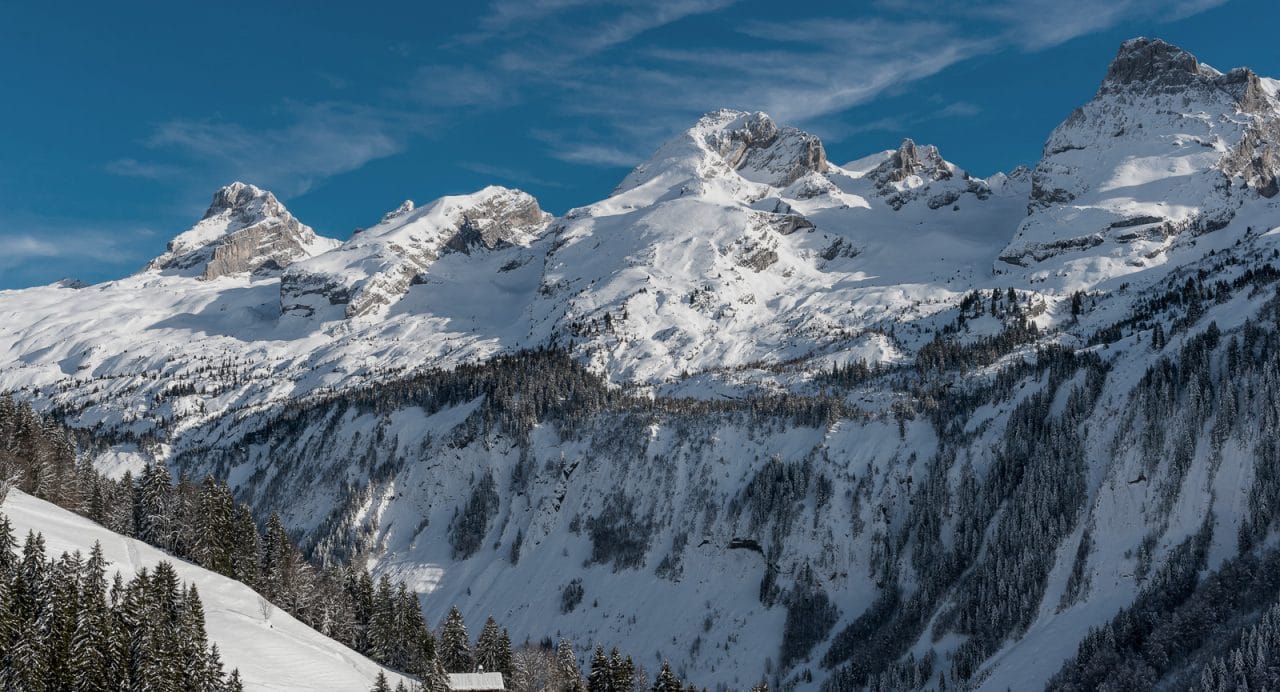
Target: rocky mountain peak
245 229
733 144
1153 63
244 201
910 160
376 267
758 149
404 208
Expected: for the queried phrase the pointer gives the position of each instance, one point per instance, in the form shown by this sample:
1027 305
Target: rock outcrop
246 229
376 267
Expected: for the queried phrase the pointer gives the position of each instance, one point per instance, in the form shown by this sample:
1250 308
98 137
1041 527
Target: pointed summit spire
243 198
1154 65
245 229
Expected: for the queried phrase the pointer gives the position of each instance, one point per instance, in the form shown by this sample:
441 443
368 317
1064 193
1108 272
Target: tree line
204 524
63 628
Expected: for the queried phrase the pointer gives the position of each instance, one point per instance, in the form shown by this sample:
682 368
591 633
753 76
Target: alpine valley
876 425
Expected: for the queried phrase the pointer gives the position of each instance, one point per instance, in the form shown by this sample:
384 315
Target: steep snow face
710 274
1167 150
272 650
376 266
737 244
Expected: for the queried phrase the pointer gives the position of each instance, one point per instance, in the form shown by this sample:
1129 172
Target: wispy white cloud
314 142
800 70
436 86
150 170
565 37
507 173
27 249
596 155
621 86
1040 24
503 15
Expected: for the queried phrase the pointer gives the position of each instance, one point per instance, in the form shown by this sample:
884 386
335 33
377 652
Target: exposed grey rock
495 222
404 208
911 160
1152 65
786 224
753 144
246 229
376 267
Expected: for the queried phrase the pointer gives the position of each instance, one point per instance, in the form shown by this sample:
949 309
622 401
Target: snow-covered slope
272 650
376 266
1168 150
739 245
719 477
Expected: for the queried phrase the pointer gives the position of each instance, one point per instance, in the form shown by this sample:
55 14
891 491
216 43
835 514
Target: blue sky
119 120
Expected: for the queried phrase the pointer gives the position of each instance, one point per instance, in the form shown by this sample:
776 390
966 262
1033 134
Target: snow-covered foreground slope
635 402
272 650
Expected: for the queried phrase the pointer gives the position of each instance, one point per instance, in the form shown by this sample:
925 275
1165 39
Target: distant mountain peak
243 199
911 159
758 149
1153 63
727 142
404 208
376 267
245 229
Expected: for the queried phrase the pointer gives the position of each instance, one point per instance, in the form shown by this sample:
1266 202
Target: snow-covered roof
476 681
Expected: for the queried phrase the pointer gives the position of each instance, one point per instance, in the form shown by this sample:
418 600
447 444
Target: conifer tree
600 679
380 684
490 650
152 516
91 640
436 678
506 658
622 671
568 675
666 680
382 635
455 644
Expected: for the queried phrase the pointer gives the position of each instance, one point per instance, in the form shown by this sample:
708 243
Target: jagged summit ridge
376 267
909 160
245 229
748 147
754 146
1153 64
247 202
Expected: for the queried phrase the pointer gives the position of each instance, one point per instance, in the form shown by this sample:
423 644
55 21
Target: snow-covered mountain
271 649
246 229
1169 149
754 412
376 266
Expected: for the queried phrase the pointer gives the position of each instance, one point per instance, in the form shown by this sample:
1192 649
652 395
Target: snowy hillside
272 650
757 413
